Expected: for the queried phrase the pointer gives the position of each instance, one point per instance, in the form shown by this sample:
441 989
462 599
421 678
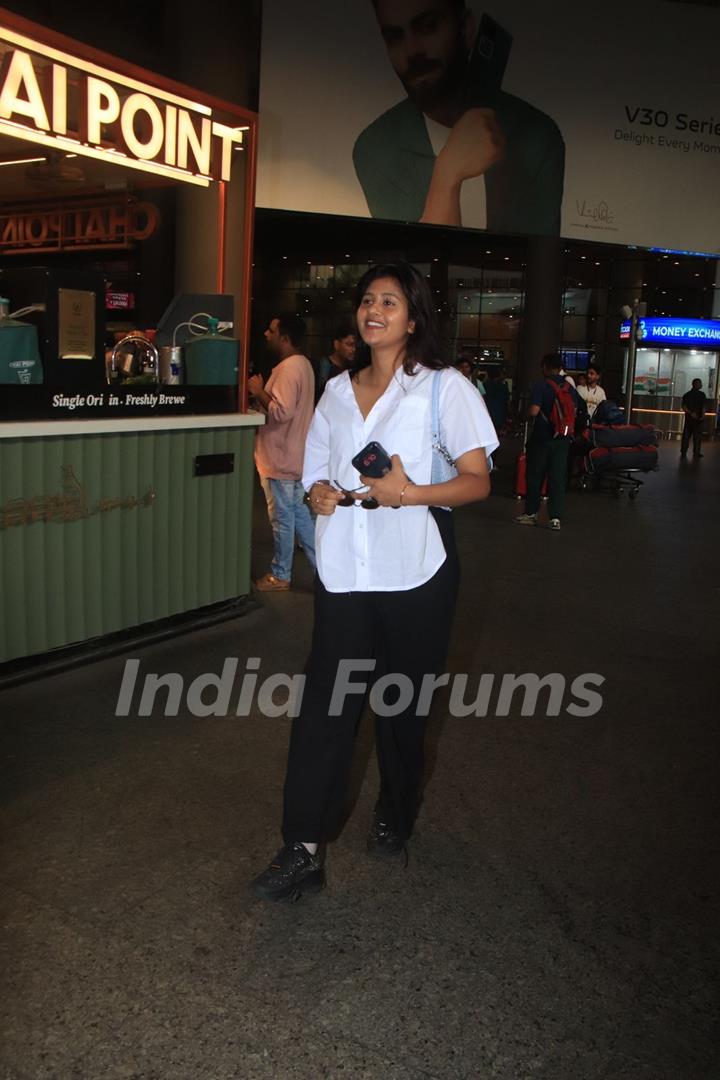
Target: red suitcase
520 478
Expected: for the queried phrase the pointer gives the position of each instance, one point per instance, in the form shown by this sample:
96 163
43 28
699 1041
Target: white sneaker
526 519
554 524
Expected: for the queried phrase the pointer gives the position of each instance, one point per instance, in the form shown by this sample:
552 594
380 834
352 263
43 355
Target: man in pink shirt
287 398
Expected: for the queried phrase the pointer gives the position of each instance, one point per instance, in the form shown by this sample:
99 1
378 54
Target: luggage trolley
615 482
615 455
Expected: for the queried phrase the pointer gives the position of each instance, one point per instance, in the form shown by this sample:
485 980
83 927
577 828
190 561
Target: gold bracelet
402 493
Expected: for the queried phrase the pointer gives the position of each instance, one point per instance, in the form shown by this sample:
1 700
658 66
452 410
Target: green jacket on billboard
394 162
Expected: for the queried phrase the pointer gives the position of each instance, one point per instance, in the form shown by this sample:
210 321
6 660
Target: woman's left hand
386 489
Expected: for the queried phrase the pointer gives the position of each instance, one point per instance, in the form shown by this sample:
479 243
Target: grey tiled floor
558 916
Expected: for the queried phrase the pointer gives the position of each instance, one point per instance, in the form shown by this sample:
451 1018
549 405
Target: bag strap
435 417
438 445
555 387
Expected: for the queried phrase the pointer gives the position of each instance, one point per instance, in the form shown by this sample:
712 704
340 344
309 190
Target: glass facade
662 376
486 306
310 264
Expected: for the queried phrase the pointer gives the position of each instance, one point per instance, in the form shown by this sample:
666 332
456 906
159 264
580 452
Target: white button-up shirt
387 550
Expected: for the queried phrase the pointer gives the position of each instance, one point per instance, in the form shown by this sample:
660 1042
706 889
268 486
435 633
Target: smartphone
487 62
372 461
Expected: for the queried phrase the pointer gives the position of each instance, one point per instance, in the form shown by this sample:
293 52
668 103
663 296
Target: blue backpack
608 412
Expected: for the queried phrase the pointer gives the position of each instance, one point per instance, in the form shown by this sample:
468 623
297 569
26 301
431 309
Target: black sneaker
292 872
382 840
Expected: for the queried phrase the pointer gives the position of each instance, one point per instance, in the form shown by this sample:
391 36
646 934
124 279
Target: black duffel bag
620 458
610 435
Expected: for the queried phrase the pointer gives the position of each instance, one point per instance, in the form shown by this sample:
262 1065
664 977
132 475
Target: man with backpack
554 408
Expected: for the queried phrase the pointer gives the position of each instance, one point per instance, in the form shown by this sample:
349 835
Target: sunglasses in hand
356 498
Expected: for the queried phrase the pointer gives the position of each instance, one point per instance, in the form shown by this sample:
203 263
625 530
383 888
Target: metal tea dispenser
134 361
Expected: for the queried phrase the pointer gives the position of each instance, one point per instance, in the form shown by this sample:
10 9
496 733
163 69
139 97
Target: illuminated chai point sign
54 99
85 227
687 333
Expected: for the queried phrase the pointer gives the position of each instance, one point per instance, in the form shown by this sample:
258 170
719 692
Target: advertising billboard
594 123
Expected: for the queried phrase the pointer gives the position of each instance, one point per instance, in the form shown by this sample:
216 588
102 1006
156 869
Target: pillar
543 306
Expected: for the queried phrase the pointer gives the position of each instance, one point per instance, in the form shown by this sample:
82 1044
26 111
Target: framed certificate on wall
76 324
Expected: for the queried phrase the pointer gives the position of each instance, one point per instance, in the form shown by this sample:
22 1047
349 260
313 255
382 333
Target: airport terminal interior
554 914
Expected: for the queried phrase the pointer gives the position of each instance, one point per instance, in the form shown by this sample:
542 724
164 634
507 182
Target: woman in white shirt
387 577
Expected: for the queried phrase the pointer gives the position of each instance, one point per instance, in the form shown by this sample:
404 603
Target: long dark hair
423 345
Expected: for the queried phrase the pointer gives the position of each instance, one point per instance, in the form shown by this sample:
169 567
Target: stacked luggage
612 452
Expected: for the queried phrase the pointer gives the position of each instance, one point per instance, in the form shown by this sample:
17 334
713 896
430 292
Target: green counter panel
178 543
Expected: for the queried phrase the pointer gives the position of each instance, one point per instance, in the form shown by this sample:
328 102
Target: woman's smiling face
383 316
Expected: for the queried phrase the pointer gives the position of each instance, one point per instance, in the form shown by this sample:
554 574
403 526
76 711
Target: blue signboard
687 333
680 251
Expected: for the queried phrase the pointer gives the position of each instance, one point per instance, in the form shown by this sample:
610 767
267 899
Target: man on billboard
458 150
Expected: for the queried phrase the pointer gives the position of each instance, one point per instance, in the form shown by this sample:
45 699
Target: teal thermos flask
212 359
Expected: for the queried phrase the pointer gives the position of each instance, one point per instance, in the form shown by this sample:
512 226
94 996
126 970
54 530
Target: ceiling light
21 161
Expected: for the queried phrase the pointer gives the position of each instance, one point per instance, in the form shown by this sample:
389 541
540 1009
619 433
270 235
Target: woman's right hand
324 499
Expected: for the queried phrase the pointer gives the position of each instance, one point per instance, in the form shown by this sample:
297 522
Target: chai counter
110 524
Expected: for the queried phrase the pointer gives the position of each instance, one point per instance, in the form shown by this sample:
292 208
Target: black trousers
546 458
406 633
692 429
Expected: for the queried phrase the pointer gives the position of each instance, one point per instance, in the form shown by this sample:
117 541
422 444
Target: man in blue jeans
287 400
546 450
